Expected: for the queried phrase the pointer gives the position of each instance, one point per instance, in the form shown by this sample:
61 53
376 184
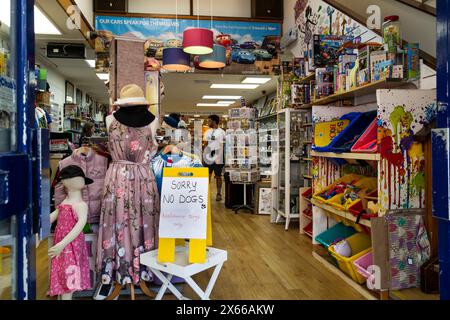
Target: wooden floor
264 262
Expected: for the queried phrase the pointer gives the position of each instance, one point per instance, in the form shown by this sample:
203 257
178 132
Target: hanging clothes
94 166
129 219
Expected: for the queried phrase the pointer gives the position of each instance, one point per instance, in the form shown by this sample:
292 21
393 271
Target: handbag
429 276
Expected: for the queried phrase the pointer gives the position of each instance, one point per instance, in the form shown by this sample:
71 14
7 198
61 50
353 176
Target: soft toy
372 208
151 64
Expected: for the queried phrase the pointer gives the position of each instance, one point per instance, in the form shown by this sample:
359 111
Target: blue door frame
18 165
441 139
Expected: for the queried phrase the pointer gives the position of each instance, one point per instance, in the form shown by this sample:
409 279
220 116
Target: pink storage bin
363 263
368 141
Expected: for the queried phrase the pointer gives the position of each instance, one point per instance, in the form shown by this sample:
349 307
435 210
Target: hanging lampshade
198 41
175 59
215 60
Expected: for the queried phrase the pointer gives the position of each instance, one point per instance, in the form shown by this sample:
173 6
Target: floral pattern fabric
129 219
69 270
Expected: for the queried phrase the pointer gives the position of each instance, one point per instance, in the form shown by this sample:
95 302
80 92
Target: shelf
266 117
412 294
370 88
307 142
307 159
307 125
340 213
361 289
301 106
307 199
306 216
308 234
350 155
307 177
306 79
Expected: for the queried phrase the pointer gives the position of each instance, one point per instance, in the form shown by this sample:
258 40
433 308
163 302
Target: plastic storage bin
346 139
366 185
338 231
346 179
368 141
363 263
361 245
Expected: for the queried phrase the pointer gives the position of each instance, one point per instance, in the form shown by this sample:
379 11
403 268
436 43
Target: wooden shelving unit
370 88
307 177
343 214
350 155
266 117
306 79
412 294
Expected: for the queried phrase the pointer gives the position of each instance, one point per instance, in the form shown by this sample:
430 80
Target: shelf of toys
367 161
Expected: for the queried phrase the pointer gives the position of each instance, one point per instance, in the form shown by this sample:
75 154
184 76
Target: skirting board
365 293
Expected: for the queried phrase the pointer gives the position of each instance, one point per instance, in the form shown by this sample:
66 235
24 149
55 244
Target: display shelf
306 79
348 155
361 289
307 176
266 117
340 213
307 125
307 159
307 142
412 294
370 88
309 234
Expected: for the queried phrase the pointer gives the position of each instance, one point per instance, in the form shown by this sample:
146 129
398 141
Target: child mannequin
69 257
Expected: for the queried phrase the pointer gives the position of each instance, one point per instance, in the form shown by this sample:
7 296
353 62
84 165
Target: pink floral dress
70 270
129 218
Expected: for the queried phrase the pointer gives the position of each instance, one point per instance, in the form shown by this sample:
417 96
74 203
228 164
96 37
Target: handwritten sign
184 203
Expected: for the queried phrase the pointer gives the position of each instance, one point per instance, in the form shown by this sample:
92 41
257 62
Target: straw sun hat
131 95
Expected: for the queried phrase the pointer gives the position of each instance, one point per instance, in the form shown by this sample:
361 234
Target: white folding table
183 269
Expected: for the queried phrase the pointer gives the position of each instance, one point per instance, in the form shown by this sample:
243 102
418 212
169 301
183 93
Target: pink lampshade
198 41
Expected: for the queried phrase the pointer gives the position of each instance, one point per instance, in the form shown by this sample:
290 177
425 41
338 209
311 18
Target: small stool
183 269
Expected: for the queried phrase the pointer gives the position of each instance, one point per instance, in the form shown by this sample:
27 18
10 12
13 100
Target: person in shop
180 135
87 131
213 154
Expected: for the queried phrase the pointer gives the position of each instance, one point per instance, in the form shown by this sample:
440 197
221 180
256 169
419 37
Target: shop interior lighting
256 80
234 86
103 76
221 97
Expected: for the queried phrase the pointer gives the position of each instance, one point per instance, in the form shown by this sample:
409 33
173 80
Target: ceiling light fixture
234 86
221 97
226 102
103 76
212 105
175 59
198 40
215 60
256 80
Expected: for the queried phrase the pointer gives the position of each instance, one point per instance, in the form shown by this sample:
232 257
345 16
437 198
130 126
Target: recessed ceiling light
103 76
234 86
91 63
226 102
42 25
196 116
221 97
211 105
256 80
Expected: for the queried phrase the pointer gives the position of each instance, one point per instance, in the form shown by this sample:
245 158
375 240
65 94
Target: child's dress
70 270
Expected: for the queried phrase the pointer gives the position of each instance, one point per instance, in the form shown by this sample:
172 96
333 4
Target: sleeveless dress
129 220
70 270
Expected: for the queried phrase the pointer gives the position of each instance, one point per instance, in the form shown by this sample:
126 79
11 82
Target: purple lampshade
175 59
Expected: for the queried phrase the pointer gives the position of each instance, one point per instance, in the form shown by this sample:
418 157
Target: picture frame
79 97
263 198
70 92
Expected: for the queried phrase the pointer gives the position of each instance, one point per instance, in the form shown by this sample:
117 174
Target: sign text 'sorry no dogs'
184 205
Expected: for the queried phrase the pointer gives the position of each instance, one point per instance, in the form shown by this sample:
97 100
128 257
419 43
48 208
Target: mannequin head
74 184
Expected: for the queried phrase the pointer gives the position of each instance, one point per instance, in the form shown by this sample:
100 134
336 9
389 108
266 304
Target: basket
338 231
367 184
346 179
361 245
325 132
363 263
367 143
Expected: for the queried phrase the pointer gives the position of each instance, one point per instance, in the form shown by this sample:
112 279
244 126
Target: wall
87 9
229 8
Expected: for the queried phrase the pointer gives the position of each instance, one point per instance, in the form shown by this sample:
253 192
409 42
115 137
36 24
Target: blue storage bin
339 231
358 124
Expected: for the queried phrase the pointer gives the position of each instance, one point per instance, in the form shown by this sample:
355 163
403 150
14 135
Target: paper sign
184 203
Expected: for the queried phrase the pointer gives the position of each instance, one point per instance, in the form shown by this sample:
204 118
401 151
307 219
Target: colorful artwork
401 115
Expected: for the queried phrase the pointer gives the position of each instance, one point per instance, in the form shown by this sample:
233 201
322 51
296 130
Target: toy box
413 70
324 82
376 57
346 62
325 49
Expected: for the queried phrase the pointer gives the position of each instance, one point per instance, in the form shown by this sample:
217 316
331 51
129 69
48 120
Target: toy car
159 53
243 56
151 46
262 54
249 45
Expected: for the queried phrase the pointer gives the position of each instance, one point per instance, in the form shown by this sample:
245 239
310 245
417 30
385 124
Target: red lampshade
198 41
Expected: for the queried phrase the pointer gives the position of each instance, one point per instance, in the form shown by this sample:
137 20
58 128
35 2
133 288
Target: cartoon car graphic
223 40
228 55
174 43
243 56
262 54
271 44
151 46
249 45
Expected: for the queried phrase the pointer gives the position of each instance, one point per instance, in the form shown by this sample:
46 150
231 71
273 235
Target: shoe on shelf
218 197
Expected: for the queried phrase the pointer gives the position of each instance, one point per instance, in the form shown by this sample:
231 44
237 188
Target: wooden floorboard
264 262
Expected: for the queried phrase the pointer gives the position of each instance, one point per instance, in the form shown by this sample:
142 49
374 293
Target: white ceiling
184 91
76 71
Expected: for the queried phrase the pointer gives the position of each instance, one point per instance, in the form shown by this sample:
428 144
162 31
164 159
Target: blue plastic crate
337 232
358 124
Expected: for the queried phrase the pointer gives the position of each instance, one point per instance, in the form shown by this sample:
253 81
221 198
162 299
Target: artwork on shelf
70 92
402 114
264 200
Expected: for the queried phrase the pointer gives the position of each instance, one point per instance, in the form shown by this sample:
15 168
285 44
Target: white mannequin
75 199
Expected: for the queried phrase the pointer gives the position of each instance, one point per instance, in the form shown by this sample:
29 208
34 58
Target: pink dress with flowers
70 270
129 218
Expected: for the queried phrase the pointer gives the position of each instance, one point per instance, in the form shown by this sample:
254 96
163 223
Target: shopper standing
214 151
